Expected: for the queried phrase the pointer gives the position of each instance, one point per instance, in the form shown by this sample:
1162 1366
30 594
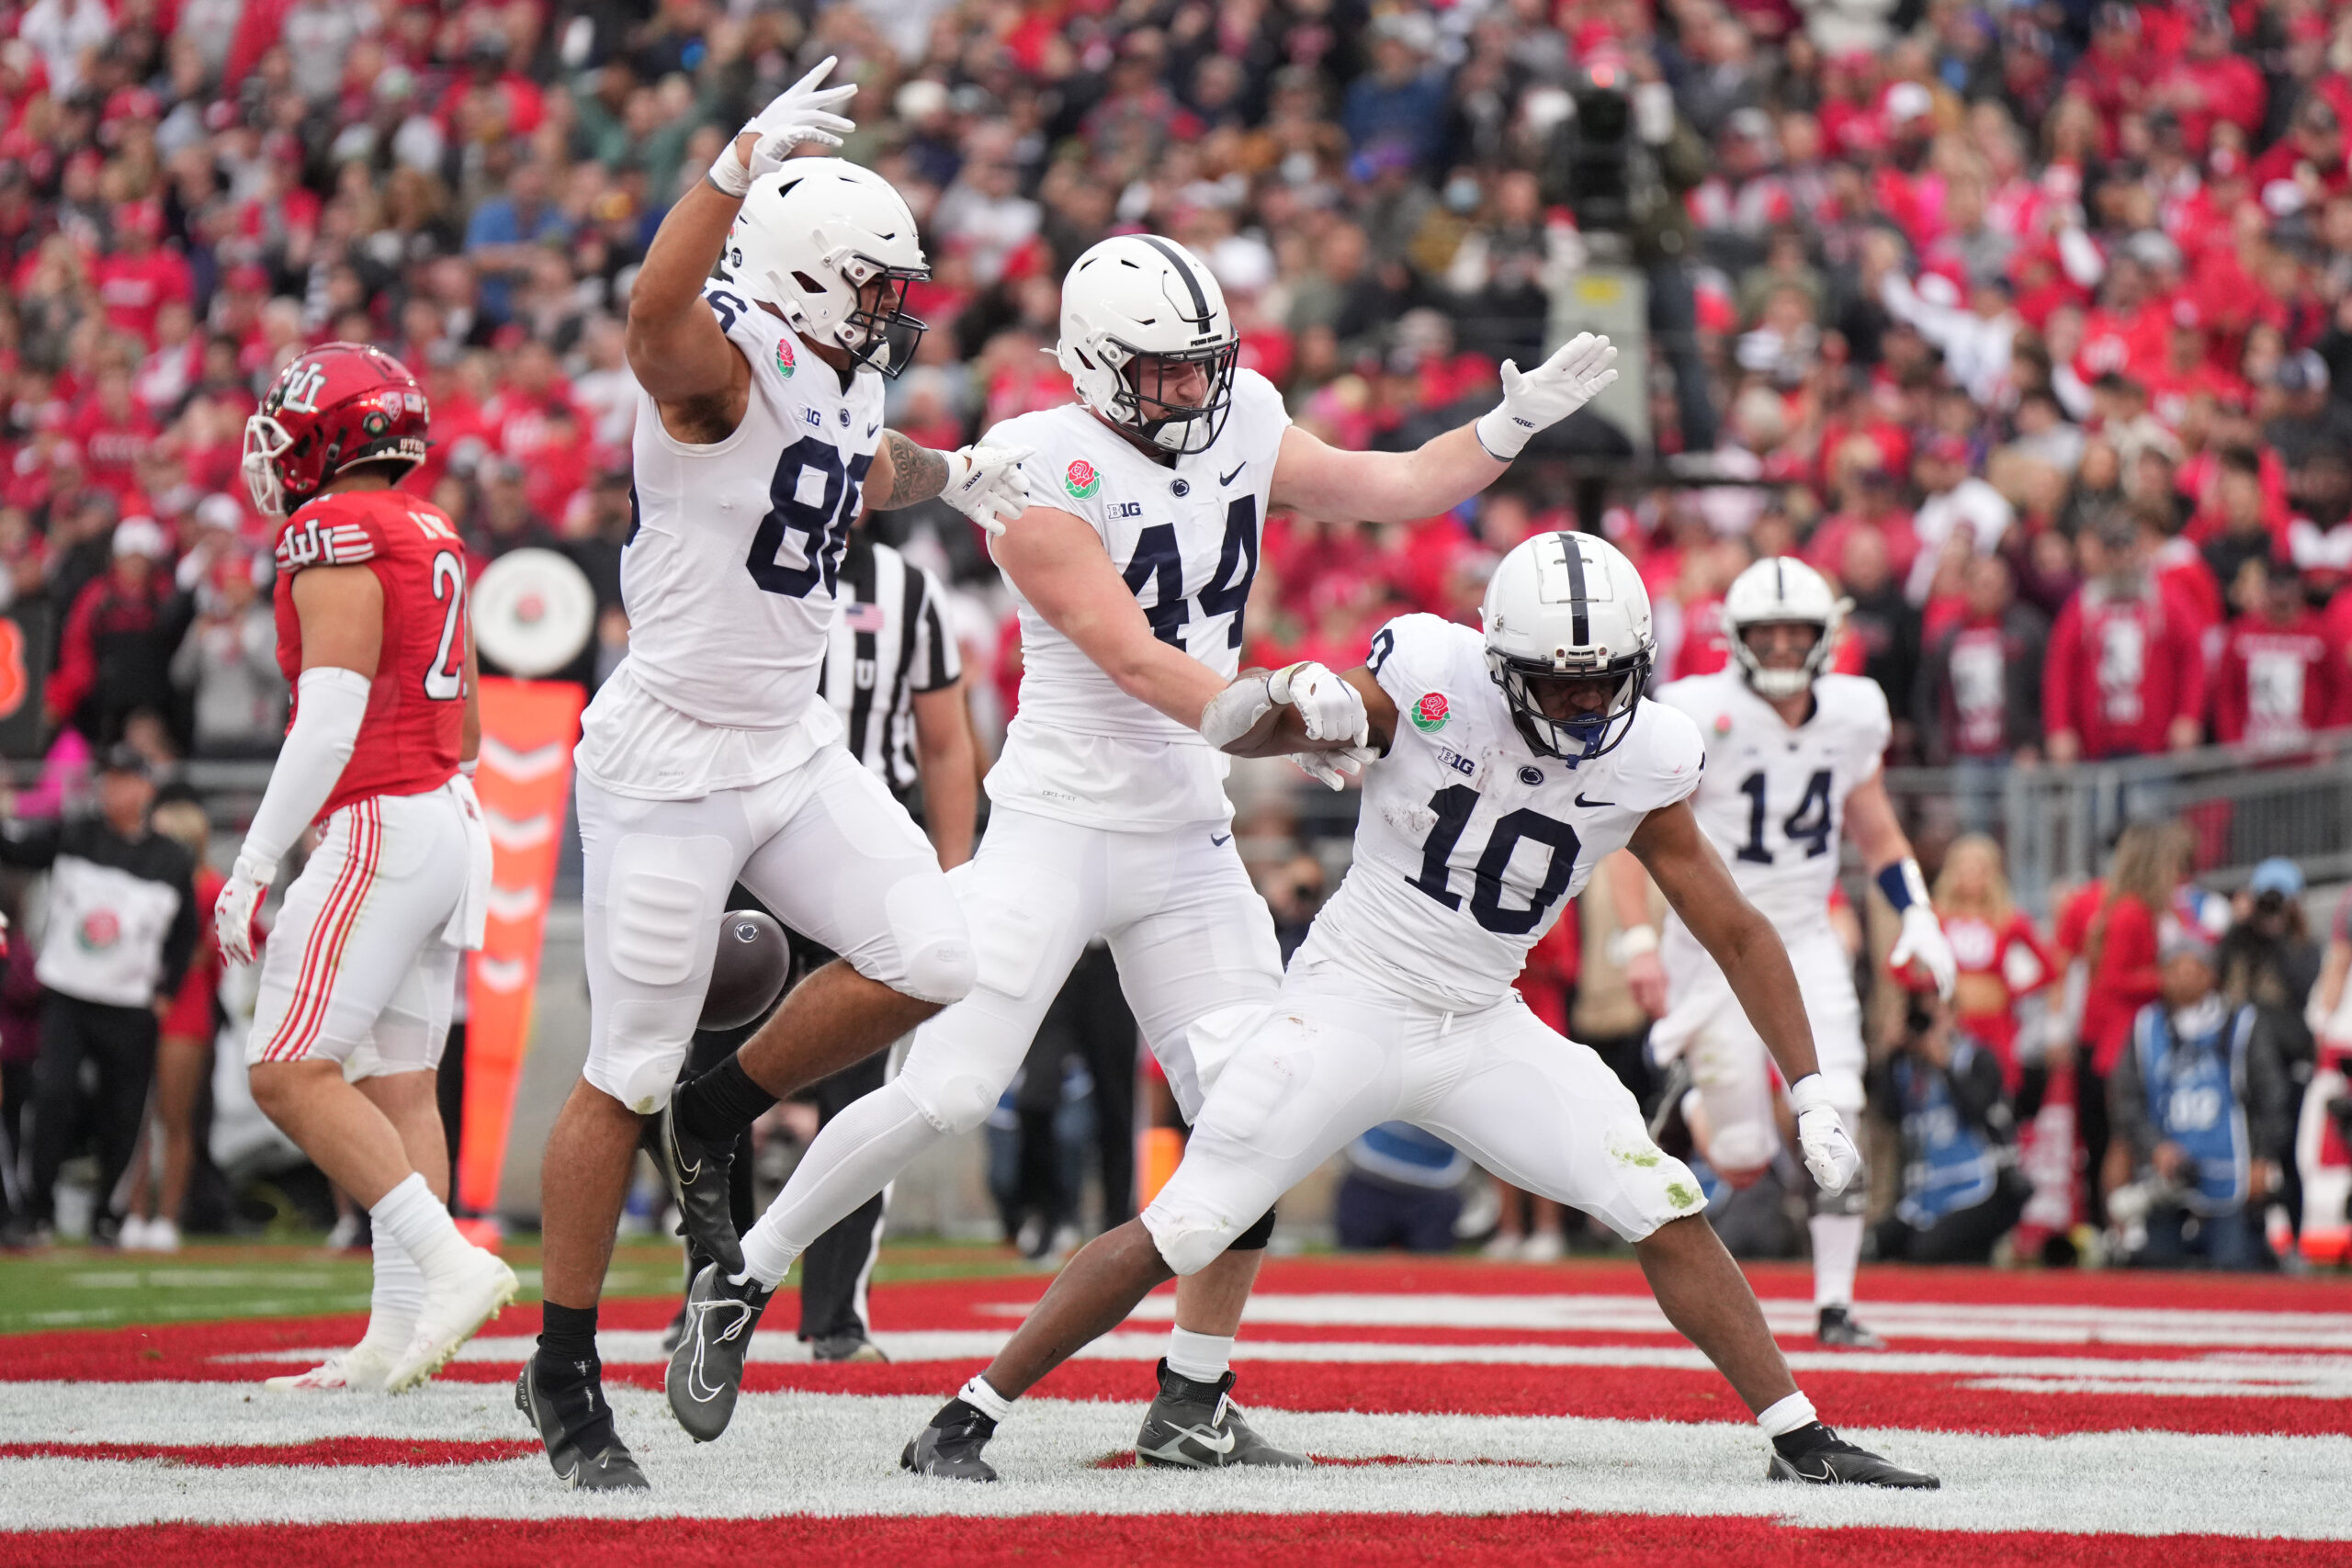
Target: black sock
1804 1440
568 1335
717 1106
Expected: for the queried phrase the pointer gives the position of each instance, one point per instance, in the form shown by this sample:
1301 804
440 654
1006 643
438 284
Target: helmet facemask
878 330
1775 685
1589 734
1142 402
266 442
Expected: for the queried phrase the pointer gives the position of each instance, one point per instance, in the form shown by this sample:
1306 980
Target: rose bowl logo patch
100 929
1430 714
1081 479
1723 723
785 364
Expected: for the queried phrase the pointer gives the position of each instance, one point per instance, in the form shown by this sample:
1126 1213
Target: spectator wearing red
2311 154
139 276
2208 82
115 432
2125 676
1980 681
2280 678
2119 943
115 658
2001 956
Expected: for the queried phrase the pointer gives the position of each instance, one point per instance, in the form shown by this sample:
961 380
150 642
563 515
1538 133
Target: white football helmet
1569 607
832 246
1782 589
1137 304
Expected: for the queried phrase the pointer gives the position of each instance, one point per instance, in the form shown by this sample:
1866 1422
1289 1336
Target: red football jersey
409 741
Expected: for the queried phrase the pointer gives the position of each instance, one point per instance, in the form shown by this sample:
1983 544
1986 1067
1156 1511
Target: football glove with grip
1332 709
1923 941
802 112
1538 399
988 485
1830 1152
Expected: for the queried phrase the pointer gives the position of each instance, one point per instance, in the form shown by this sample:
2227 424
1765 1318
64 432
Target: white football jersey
1470 842
1774 798
1185 536
730 573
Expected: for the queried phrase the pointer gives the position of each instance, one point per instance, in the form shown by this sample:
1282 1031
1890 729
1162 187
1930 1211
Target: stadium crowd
2030 325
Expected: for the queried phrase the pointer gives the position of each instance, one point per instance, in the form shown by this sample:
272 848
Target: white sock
398 1297
857 1155
1837 1253
1204 1358
986 1400
414 1218
1787 1416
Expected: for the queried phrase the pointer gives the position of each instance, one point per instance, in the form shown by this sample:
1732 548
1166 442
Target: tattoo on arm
917 473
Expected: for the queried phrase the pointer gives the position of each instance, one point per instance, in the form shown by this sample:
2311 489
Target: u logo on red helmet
302 388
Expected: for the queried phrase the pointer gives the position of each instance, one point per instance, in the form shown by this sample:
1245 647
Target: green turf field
84 1287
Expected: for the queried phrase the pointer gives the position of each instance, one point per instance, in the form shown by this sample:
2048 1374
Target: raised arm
1442 473
675 347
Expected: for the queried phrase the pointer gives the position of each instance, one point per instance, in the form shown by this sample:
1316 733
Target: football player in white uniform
1793 752
1131 568
1509 765
708 757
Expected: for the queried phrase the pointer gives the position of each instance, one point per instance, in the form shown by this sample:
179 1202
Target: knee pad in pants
953 1099
932 959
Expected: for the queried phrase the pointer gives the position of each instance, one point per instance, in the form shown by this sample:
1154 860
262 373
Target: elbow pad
331 706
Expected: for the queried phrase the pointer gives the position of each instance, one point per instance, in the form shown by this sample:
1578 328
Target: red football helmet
341 403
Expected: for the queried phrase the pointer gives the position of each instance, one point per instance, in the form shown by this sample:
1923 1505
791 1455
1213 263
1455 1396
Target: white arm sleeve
332 703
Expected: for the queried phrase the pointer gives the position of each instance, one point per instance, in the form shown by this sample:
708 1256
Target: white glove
987 485
1538 399
1830 1152
1333 709
233 912
802 112
1335 768
1923 941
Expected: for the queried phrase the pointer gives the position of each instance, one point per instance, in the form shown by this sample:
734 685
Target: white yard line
823 1454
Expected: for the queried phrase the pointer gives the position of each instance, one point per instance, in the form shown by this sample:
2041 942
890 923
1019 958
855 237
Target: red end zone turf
1257 1540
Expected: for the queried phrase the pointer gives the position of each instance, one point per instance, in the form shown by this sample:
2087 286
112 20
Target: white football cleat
454 1310
363 1369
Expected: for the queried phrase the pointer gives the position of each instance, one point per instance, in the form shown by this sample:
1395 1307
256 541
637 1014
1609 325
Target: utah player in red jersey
360 972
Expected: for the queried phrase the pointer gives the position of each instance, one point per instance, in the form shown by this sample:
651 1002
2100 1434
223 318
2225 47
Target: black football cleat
707 1369
698 1174
1819 1457
1197 1426
1837 1329
576 1426
950 1447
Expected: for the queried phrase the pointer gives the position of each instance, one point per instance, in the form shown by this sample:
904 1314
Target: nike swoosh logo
695 1383
872 428
1582 801
1228 478
1220 843
1209 1438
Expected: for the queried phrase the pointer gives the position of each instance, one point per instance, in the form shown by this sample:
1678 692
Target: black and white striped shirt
889 641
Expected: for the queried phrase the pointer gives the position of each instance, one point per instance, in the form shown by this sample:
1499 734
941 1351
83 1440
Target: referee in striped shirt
893 674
